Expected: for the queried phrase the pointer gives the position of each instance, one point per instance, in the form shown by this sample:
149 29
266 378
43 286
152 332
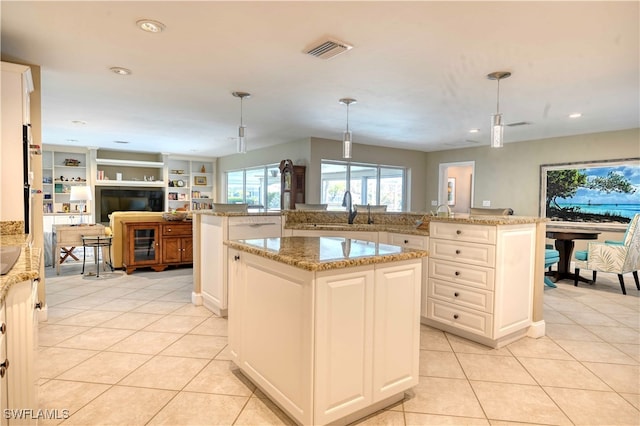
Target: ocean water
624 210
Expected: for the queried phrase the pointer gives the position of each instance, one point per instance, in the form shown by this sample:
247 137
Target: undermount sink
8 257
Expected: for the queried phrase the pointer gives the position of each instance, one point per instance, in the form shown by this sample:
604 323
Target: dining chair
614 257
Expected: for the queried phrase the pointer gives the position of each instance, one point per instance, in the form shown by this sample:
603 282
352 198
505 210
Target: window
368 184
258 187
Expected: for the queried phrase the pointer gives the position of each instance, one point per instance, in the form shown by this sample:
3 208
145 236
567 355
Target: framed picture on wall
451 191
199 180
599 194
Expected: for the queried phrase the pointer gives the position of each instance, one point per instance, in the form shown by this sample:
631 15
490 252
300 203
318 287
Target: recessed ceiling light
474 130
120 70
79 122
121 142
575 115
150 26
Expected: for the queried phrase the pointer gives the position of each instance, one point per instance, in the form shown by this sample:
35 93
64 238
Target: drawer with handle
475 254
465 319
409 241
177 229
460 273
463 232
461 295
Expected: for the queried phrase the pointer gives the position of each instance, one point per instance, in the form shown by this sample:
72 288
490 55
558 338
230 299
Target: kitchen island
327 327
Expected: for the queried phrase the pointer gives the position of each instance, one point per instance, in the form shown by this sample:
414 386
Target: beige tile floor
131 349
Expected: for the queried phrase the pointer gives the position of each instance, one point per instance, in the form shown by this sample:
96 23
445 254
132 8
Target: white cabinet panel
344 337
409 241
462 295
396 328
460 273
465 319
463 232
469 253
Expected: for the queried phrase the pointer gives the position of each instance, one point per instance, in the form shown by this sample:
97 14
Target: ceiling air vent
519 123
328 49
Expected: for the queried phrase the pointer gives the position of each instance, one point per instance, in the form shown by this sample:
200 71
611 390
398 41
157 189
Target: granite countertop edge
360 227
315 266
214 213
491 220
27 267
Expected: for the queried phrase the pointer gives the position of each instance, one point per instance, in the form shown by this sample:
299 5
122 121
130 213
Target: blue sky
584 195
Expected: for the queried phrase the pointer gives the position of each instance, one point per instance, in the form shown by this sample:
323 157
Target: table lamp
81 194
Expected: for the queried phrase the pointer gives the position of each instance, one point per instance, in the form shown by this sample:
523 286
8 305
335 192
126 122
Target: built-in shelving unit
189 184
117 168
60 171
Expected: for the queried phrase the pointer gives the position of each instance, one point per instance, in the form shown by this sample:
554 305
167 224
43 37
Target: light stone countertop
397 228
490 220
27 267
214 213
325 253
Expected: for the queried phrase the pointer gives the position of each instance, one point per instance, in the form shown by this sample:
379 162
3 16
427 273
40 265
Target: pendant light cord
498 99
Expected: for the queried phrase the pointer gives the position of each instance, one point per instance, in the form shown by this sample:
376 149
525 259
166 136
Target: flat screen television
111 199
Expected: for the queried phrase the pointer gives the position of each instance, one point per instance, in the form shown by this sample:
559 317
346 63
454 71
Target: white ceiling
418 70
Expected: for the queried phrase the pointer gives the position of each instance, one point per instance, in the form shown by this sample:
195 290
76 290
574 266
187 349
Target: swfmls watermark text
29 413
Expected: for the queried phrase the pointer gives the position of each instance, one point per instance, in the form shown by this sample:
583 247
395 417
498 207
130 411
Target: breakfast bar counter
327 327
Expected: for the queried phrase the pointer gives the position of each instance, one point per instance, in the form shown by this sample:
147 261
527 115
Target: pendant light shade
242 144
347 137
497 128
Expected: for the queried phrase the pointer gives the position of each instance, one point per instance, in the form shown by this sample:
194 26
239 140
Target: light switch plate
486 203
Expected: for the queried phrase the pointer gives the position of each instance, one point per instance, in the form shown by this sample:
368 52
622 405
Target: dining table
565 243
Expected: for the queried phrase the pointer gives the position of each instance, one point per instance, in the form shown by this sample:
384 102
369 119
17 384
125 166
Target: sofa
115 223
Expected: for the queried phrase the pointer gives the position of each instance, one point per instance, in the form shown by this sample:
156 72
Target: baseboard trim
537 329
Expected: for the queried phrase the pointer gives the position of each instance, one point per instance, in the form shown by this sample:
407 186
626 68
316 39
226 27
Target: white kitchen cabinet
3 370
210 270
344 340
415 242
21 376
480 280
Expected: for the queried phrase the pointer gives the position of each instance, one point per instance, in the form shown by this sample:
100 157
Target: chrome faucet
351 211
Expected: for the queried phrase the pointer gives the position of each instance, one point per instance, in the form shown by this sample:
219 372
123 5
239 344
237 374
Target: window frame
265 190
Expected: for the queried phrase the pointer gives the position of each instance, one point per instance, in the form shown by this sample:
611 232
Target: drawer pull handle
455 316
457 251
236 257
457 273
458 232
3 328
38 305
3 368
456 294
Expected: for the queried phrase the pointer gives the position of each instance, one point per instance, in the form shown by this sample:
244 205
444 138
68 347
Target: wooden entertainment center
157 245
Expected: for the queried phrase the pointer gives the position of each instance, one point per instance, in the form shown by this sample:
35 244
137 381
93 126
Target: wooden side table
68 237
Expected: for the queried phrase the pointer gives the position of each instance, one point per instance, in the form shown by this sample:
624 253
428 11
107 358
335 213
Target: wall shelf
128 163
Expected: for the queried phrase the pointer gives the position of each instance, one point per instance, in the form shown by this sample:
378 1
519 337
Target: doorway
455 185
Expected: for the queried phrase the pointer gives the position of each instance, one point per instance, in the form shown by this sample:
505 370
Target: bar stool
97 242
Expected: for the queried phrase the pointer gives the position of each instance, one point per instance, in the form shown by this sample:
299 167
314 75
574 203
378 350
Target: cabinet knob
457 273
169 229
457 251
236 257
456 294
458 232
406 241
38 305
3 368
3 328
455 316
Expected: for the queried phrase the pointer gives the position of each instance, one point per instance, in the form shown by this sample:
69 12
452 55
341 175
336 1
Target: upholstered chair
614 257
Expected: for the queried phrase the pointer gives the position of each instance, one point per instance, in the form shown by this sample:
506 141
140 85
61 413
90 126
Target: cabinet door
3 372
143 244
344 338
171 250
396 331
236 292
187 249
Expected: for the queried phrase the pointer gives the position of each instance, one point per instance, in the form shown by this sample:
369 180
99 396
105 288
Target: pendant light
497 128
347 139
242 146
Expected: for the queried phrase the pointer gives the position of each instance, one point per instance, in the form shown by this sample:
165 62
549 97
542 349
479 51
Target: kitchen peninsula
327 327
